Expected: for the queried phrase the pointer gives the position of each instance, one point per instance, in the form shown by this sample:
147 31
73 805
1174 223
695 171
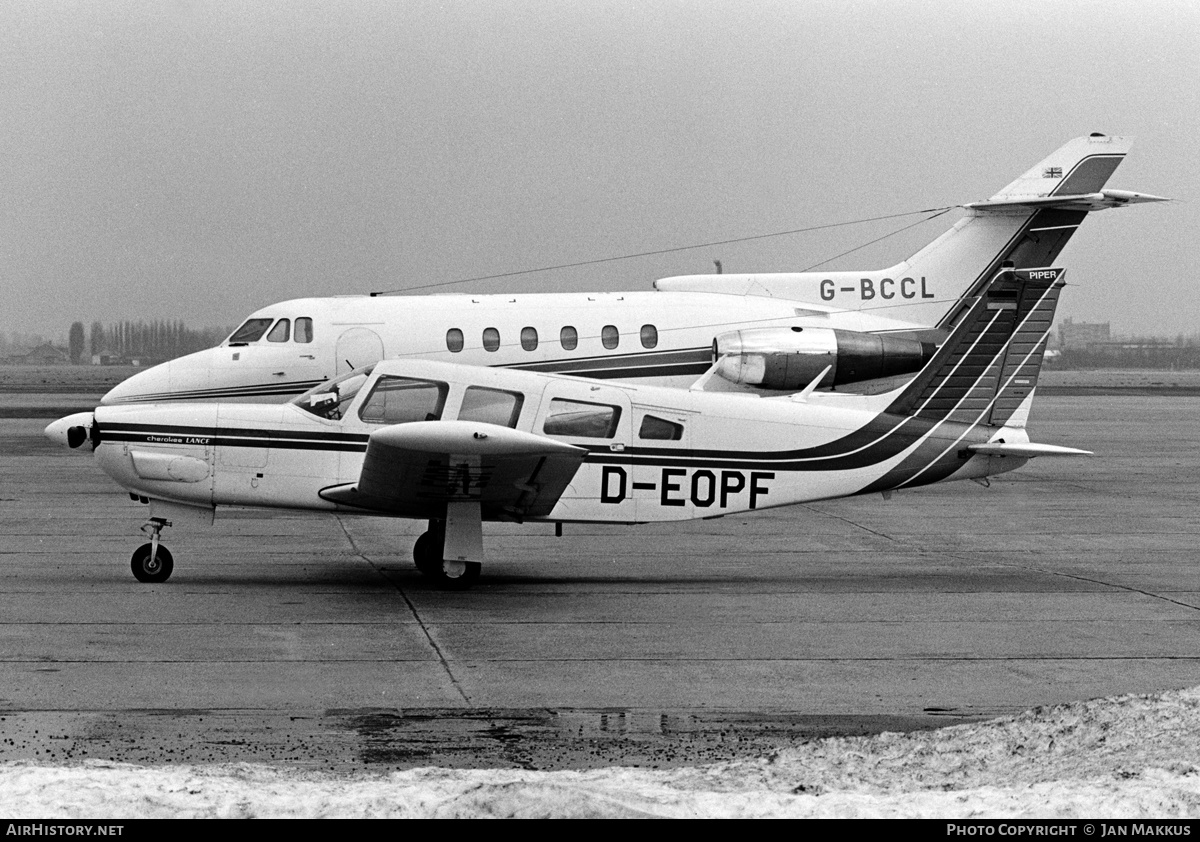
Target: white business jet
459 445
867 326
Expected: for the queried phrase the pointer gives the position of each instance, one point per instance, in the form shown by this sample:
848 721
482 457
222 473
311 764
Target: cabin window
281 332
610 337
649 336
569 337
659 429
454 340
529 339
399 400
251 331
577 418
303 331
491 406
491 339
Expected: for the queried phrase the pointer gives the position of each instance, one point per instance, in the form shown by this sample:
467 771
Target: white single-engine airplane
869 327
458 445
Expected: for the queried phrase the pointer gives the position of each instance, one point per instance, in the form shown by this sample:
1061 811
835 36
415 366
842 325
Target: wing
415 469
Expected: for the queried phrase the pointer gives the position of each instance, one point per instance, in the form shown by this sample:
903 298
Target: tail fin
980 381
1026 224
986 370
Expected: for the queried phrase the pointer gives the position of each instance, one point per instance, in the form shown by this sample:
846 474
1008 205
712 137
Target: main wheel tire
156 569
427 553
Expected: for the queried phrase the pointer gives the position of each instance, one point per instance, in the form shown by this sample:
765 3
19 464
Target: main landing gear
152 562
429 553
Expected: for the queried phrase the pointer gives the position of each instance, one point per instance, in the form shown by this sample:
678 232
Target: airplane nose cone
71 432
141 387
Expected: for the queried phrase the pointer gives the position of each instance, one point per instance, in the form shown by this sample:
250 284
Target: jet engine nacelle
790 358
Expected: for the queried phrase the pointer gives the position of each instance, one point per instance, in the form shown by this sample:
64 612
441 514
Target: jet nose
141 387
72 431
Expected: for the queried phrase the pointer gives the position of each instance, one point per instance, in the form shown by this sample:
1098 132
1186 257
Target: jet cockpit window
281 332
660 429
491 406
330 400
251 331
578 418
303 330
399 400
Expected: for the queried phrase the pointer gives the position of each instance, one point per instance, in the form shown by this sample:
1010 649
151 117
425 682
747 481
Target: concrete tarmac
313 641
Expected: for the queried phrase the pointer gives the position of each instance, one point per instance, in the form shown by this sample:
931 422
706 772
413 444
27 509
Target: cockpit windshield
330 400
251 331
254 330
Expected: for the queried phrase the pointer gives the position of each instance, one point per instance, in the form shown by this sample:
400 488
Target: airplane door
596 418
356 347
661 483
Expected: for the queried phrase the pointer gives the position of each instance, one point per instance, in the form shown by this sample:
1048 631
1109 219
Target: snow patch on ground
1128 757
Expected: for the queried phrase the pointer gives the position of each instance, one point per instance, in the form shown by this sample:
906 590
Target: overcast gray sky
199 159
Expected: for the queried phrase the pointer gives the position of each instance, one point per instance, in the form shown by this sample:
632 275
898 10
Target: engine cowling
789 358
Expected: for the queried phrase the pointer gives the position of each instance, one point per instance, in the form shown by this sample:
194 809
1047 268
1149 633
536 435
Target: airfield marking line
412 610
809 507
1078 578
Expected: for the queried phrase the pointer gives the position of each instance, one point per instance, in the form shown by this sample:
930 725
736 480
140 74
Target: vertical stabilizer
1026 225
986 370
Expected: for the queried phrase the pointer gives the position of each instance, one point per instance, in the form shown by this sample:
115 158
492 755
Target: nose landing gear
152 562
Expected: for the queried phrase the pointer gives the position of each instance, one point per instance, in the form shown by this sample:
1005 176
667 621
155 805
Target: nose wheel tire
152 569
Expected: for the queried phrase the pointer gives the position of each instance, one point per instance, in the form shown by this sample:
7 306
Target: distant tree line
1140 352
144 341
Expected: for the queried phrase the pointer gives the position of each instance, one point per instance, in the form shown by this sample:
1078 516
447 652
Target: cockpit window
251 331
303 330
281 331
330 400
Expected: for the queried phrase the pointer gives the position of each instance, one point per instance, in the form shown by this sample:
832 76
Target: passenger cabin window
491 339
399 400
251 331
610 337
649 336
303 331
659 429
281 332
578 418
491 406
454 340
529 338
569 337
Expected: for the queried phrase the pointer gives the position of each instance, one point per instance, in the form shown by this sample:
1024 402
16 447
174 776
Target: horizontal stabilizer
1026 450
1078 201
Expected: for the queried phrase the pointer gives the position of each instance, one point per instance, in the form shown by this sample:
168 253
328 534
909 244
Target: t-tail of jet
1025 225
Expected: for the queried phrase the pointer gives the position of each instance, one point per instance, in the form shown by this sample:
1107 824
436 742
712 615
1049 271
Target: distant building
1077 336
45 354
